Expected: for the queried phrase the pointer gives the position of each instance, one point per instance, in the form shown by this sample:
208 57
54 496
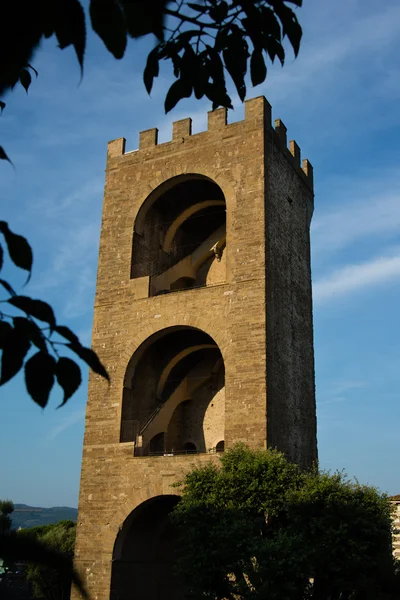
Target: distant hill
29 516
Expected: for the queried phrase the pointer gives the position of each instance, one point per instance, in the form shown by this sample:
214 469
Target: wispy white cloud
361 214
326 46
339 391
66 422
333 400
71 225
352 278
340 387
72 270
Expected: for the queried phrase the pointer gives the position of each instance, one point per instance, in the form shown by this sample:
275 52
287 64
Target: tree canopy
47 548
48 583
256 527
6 508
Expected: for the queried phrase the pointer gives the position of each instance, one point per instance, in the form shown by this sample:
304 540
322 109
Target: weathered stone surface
396 519
255 304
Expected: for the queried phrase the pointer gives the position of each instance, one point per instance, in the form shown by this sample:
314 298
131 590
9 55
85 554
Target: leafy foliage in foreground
16 547
49 551
256 527
49 583
22 330
204 41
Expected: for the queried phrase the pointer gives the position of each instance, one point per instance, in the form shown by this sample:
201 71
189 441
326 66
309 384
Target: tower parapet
256 109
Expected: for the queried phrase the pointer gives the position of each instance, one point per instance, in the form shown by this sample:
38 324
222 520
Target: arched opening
189 447
174 393
157 444
220 447
144 554
180 226
183 283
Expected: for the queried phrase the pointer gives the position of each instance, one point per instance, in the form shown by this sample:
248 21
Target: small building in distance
396 537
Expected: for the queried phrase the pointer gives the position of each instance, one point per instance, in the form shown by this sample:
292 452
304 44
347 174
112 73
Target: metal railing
181 452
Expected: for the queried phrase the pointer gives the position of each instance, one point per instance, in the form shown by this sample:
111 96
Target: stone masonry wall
291 410
234 313
396 536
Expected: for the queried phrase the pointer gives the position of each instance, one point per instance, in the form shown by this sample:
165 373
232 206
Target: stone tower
203 318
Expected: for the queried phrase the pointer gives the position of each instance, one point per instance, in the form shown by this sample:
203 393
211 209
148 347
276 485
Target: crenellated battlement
292 152
257 113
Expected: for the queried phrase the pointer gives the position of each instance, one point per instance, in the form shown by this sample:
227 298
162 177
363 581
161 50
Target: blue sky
340 102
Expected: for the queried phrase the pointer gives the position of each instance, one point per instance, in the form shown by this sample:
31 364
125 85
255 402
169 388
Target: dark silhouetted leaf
18 248
176 62
67 334
258 70
109 23
269 23
5 329
216 90
15 348
1 256
188 67
3 155
20 34
200 82
90 358
2 106
221 38
275 48
178 90
235 58
68 376
25 79
31 331
152 69
39 377
294 33
219 11
70 27
290 25
143 18
33 69
7 287
35 308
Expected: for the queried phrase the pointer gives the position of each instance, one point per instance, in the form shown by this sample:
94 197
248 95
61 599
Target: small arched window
189 447
157 444
220 447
